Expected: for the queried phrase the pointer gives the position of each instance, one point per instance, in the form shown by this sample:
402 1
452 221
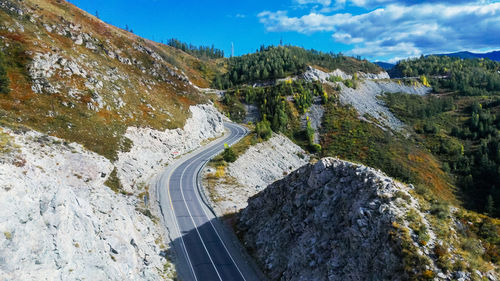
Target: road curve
204 249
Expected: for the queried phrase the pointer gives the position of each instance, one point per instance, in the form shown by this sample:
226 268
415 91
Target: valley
124 158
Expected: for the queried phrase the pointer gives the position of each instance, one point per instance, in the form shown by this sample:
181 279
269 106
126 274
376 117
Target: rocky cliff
60 220
364 97
337 220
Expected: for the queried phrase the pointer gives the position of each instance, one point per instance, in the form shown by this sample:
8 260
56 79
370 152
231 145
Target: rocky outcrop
313 74
59 221
337 220
328 221
365 99
46 65
152 149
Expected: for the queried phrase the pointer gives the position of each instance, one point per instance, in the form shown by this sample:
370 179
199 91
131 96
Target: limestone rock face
313 74
365 98
59 221
266 162
328 221
153 149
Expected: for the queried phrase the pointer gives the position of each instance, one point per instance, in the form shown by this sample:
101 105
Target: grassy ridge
147 99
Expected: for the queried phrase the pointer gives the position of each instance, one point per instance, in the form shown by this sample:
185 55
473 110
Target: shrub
114 182
315 148
229 155
428 274
263 129
350 83
440 209
220 172
334 79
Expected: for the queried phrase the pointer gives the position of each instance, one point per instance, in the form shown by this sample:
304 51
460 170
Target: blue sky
385 30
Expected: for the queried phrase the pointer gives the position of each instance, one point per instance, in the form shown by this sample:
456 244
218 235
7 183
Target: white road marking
200 155
195 177
192 220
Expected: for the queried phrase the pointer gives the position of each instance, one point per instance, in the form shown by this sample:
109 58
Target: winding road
205 249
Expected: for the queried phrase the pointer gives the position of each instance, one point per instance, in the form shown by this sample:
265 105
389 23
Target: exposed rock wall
365 98
328 221
313 74
153 149
59 222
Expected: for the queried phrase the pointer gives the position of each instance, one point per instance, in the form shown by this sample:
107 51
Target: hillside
274 62
91 114
385 65
337 220
459 124
73 76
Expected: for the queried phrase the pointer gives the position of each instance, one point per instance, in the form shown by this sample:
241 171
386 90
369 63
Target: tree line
471 77
274 62
202 52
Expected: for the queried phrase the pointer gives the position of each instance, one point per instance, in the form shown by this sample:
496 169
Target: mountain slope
73 76
385 65
89 113
336 220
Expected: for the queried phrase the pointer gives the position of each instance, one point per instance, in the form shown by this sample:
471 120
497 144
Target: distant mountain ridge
494 55
385 65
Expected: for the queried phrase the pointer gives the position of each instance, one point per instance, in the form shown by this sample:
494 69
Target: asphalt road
204 249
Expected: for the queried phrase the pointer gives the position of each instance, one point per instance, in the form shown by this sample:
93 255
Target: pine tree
490 205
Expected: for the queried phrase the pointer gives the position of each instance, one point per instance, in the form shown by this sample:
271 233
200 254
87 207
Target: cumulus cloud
377 3
401 30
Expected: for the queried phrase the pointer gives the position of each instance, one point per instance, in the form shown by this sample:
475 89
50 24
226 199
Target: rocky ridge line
337 220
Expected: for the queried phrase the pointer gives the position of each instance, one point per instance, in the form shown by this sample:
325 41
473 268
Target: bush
229 155
334 78
350 83
263 129
220 172
440 209
315 148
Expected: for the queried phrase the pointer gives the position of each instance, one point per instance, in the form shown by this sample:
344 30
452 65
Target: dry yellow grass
98 131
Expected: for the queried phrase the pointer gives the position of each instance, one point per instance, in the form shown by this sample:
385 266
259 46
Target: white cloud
321 2
400 30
